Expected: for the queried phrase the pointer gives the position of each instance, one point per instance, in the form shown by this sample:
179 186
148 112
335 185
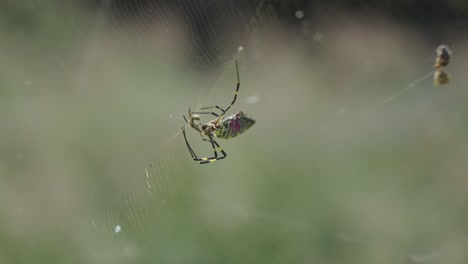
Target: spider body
220 127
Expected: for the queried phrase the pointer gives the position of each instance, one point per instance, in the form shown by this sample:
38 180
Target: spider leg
237 90
205 113
214 144
215 158
232 103
192 153
222 110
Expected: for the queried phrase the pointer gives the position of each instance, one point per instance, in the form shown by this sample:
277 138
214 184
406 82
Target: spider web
156 218
355 156
201 40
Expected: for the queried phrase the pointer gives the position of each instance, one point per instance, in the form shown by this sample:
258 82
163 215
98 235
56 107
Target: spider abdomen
234 125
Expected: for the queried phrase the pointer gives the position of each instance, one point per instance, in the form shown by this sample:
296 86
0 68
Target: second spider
220 127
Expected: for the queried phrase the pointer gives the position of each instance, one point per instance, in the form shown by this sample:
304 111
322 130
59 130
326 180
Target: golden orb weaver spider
220 127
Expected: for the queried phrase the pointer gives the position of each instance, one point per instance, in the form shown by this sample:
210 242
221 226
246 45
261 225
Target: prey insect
443 56
221 127
442 60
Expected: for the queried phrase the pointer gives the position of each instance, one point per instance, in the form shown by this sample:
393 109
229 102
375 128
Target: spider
220 127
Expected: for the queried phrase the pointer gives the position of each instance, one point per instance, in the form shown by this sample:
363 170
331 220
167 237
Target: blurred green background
355 157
